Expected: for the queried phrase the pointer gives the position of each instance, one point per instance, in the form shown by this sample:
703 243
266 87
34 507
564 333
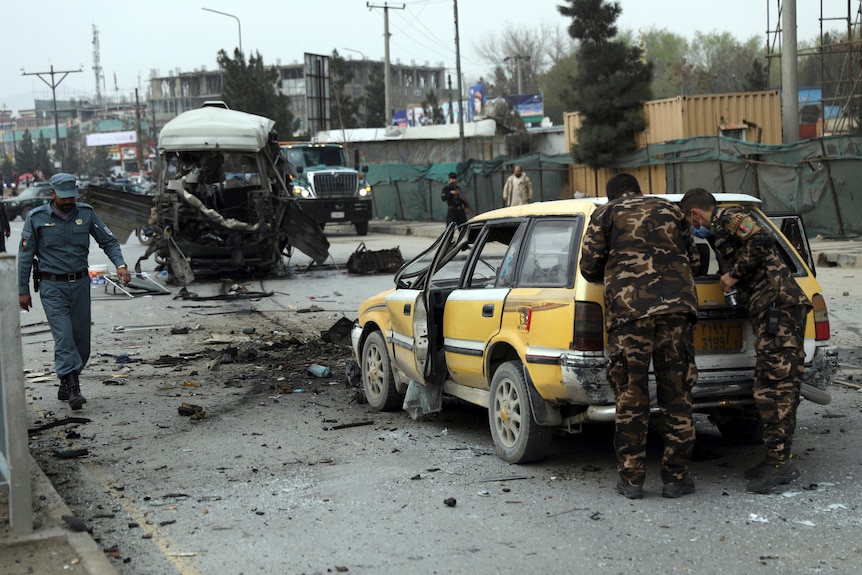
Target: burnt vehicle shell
222 203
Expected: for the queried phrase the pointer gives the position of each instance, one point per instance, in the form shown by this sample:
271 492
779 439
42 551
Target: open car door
414 330
791 226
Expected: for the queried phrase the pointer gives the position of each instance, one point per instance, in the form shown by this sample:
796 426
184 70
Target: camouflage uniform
747 251
642 249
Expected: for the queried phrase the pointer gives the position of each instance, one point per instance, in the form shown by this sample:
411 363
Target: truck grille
335 185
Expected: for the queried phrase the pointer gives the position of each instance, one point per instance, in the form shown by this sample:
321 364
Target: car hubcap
508 410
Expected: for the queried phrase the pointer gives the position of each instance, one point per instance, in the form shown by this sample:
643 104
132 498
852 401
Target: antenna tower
97 66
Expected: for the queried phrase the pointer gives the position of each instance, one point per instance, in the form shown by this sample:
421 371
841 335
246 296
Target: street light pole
387 76
53 85
238 24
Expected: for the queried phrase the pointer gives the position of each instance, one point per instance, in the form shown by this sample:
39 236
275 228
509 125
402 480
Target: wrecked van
222 202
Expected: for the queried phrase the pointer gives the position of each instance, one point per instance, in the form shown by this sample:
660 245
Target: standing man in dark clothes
458 204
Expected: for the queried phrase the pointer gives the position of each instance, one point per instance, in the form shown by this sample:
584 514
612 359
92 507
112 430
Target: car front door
413 305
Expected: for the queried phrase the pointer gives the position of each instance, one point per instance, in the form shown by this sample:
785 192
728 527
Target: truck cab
326 186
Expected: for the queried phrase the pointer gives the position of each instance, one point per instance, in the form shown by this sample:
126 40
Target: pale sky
164 35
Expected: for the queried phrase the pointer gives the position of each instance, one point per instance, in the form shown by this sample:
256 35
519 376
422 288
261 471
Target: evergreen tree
344 109
43 159
25 154
375 98
71 156
612 83
253 88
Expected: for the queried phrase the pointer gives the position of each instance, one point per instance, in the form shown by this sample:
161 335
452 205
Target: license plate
719 336
336 215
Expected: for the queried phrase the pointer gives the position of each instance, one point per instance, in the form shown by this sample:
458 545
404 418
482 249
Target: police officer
55 242
642 249
777 307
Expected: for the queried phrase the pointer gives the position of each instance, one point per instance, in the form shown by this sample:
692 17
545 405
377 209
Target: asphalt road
288 473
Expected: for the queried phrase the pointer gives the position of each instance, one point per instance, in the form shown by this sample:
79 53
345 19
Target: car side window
548 253
494 261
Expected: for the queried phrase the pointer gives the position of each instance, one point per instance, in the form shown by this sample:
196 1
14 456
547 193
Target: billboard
112 138
531 107
477 102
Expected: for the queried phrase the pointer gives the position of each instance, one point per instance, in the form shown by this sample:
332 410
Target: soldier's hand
726 282
25 302
124 276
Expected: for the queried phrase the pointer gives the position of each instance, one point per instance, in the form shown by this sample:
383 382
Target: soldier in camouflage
642 249
777 307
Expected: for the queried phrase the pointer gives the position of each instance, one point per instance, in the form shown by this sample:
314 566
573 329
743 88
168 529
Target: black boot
76 400
63 391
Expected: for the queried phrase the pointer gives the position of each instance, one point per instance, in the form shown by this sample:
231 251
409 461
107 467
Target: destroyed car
496 313
222 202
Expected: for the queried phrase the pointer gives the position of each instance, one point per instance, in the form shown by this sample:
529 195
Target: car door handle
406 309
488 310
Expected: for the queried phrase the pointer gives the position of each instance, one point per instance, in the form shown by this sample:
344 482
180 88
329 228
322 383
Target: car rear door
473 313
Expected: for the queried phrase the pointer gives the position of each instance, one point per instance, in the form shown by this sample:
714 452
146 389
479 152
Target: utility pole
138 148
460 90
387 75
451 120
789 77
517 60
53 85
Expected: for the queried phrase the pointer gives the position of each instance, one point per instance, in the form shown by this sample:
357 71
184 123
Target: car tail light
821 318
589 327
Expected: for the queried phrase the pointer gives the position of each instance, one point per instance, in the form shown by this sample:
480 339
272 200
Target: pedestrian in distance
518 189
55 243
641 248
458 204
750 264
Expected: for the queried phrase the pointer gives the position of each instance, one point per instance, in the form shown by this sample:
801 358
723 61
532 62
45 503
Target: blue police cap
64 185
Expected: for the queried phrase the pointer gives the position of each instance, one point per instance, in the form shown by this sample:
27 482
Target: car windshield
29 193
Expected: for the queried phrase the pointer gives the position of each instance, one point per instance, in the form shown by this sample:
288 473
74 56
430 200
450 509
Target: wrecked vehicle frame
222 203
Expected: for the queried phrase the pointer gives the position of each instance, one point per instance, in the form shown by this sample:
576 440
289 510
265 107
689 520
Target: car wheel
145 234
517 436
24 211
378 382
738 425
361 228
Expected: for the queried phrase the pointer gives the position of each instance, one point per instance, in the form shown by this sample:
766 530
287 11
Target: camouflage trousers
778 378
667 340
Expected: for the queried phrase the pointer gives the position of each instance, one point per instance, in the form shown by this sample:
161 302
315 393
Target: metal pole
387 74
460 88
789 79
238 24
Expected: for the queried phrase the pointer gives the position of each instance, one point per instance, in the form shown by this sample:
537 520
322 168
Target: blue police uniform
62 246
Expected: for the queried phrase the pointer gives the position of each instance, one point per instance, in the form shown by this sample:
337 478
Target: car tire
517 436
24 211
361 228
145 235
738 425
378 382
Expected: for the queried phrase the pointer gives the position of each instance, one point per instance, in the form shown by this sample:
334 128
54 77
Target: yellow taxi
495 312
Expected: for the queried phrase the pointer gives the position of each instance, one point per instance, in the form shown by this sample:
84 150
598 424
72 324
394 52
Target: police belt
73 277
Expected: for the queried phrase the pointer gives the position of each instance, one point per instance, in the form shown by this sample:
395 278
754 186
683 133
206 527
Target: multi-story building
180 91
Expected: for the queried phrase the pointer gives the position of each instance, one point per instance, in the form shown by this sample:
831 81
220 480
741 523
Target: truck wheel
361 228
517 436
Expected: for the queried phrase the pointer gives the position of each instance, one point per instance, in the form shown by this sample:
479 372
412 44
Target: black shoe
773 476
63 391
630 491
754 472
76 400
674 490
